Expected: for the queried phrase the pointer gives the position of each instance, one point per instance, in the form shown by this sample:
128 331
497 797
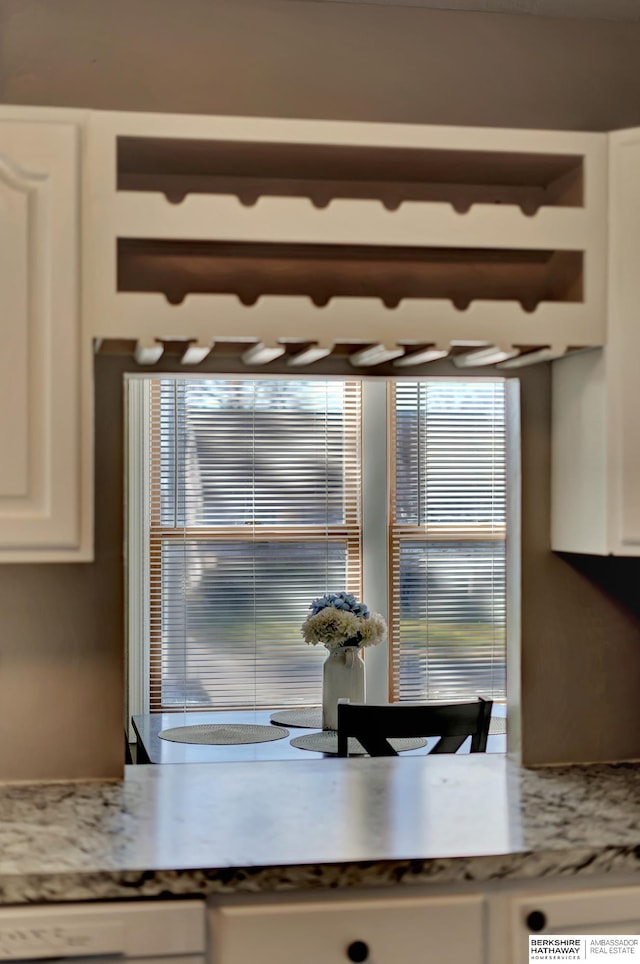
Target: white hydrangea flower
331 627
372 630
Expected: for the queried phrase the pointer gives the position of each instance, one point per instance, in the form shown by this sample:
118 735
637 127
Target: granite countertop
234 827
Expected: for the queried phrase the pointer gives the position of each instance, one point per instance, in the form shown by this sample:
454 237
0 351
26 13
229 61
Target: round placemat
327 742
307 718
223 733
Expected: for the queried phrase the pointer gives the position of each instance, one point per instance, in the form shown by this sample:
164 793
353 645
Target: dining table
152 748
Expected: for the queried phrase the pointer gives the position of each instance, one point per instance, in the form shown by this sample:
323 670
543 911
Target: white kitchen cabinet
607 910
470 923
44 473
596 395
378 930
169 932
130 228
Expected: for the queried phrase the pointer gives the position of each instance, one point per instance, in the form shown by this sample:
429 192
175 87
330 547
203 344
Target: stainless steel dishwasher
148 932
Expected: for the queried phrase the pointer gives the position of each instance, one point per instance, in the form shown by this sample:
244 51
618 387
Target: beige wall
321 59
61 652
580 652
62 640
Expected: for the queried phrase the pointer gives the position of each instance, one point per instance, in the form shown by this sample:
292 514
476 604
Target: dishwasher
148 932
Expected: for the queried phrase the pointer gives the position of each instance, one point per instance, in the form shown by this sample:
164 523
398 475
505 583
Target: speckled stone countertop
273 826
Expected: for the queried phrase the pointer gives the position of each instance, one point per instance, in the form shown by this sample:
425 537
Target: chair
128 758
452 722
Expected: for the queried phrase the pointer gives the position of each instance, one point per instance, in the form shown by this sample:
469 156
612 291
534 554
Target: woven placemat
220 734
327 742
311 719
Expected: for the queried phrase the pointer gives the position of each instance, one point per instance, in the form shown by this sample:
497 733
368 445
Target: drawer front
614 910
445 930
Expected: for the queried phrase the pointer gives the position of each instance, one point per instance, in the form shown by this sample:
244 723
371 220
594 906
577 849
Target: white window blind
255 488
448 540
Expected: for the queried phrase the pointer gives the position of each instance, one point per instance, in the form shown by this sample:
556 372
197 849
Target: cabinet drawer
614 910
442 930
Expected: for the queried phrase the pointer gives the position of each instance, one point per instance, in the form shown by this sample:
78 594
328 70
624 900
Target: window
255 488
251 494
448 540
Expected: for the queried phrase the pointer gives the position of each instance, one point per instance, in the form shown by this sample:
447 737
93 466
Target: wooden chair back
373 725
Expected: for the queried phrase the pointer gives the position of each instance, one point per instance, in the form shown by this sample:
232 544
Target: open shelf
322 172
395 238
321 272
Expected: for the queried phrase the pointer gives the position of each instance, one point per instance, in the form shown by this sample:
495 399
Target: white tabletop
154 749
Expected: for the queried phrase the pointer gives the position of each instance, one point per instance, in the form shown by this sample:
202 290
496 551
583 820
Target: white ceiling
590 9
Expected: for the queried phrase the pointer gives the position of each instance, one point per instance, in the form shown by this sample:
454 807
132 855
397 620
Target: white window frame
375 537
136 546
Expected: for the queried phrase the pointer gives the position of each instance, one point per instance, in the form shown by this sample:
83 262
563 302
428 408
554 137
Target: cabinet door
614 910
402 930
40 421
596 398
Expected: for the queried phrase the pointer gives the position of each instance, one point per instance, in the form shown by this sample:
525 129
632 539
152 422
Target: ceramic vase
342 678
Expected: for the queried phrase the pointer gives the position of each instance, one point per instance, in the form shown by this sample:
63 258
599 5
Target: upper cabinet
392 243
44 472
596 395
388 243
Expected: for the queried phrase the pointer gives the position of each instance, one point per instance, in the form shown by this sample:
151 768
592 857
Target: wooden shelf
273 321
349 222
322 272
320 172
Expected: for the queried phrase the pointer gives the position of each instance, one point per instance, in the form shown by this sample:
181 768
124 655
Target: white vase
342 678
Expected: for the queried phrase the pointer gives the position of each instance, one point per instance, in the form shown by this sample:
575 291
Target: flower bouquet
337 620
344 626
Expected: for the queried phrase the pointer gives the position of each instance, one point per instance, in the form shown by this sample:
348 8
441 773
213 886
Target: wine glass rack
291 238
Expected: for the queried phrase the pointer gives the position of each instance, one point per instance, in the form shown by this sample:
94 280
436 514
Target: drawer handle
536 920
358 951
